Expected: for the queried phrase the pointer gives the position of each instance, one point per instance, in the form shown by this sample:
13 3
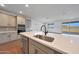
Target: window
50 27
71 27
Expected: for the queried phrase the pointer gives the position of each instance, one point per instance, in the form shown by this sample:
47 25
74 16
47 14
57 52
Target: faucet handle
47 31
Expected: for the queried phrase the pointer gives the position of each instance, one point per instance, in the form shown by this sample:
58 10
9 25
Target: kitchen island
64 44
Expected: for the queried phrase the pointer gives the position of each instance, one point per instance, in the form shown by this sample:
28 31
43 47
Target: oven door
21 28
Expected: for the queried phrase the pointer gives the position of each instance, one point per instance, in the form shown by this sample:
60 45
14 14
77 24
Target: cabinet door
12 21
25 44
42 48
20 20
35 50
4 37
4 19
13 36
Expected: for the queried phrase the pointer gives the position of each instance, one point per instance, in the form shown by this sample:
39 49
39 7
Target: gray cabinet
7 20
37 48
13 35
20 20
3 19
12 21
32 47
25 44
4 37
7 36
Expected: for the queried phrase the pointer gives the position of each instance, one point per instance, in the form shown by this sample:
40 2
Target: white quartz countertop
63 43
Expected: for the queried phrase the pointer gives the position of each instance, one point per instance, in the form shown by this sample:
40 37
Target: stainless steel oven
21 28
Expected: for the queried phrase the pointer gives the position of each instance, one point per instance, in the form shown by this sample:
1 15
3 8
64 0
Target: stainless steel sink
43 37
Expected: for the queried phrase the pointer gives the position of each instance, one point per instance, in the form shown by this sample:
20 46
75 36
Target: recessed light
26 5
2 5
20 12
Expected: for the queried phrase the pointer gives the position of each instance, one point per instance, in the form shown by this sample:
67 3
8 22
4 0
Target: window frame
69 28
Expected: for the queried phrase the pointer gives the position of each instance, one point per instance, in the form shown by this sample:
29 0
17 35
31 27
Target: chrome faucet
45 31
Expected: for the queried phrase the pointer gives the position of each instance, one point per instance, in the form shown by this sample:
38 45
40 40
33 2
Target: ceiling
45 11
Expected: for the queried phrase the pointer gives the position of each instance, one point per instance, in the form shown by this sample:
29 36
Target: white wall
27 25
57 27
36 25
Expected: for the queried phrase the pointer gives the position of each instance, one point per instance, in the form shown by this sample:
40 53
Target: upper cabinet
4 19
12 20
20 20
7 20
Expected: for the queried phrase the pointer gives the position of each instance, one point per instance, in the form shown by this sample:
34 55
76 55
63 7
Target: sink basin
43 37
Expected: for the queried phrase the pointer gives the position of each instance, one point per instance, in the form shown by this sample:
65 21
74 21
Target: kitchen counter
63 43
7 31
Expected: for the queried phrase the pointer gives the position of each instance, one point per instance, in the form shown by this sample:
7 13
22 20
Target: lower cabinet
7 37
25 45
4 37
13 36
32 47
37 48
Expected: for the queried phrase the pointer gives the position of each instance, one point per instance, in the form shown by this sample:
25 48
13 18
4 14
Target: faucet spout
45 31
